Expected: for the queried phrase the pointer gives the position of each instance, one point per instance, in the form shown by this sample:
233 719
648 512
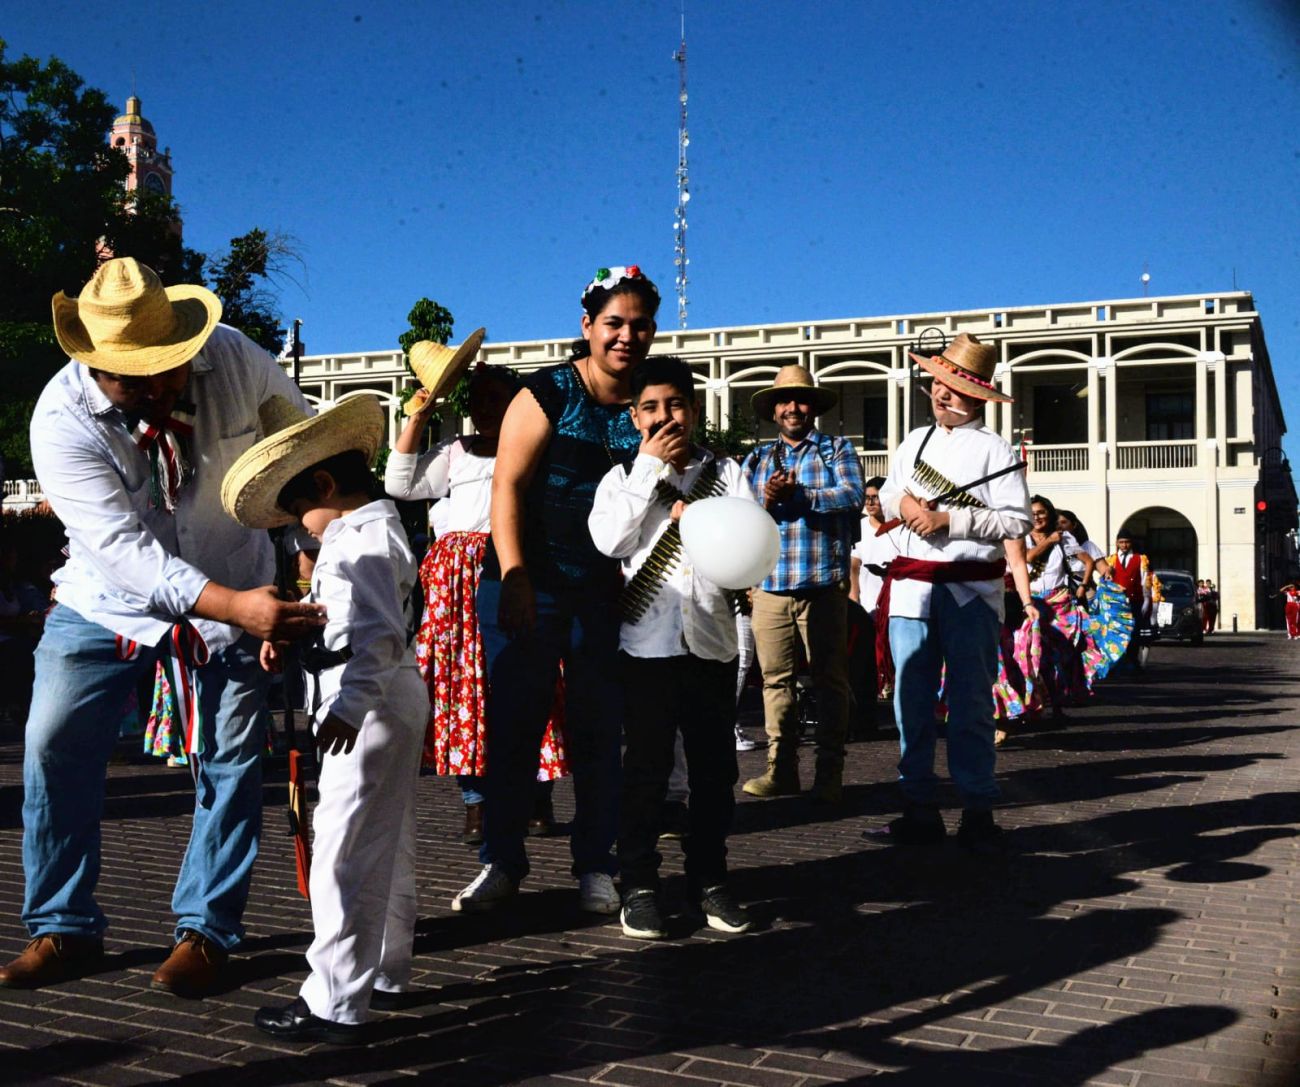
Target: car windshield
1179 592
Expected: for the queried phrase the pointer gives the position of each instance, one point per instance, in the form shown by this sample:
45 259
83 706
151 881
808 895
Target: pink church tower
151 170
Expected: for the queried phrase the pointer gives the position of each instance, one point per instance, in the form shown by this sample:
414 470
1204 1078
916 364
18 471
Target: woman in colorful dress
548 595
1109 622
449 647
1061 675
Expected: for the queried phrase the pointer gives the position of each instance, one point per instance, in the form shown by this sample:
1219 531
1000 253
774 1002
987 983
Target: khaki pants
817 619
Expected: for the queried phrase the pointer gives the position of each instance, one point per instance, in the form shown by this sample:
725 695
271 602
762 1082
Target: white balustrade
1142 456
1057 458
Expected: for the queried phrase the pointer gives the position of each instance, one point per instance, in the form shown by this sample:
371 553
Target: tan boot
781 779
56 956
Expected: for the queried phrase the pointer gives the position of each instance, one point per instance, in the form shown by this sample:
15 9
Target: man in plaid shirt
812 485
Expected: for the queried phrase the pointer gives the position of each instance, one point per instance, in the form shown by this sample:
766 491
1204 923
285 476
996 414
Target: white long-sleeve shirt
133 569
449 470
872 550
364 576
1055 565
688 614
962 454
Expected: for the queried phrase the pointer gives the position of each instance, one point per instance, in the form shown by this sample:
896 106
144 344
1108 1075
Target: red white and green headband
608 278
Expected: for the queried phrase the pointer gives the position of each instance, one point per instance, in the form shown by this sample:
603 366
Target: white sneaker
596 893
490 888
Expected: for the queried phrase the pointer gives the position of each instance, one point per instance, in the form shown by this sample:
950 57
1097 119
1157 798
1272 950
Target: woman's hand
335 736
517 608
272 660
1032 613
424 403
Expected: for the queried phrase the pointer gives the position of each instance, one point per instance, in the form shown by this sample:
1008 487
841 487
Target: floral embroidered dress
448 647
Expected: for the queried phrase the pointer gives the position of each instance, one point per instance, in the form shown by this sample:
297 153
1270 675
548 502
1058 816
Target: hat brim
765 400
958 384
195 311
441 377
254 482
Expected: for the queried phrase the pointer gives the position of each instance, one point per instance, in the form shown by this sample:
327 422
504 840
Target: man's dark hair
351 473
875 481
663 370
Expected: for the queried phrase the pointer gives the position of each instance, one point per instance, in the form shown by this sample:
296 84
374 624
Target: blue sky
846 158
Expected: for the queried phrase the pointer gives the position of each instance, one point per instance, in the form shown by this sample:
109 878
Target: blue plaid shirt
820 522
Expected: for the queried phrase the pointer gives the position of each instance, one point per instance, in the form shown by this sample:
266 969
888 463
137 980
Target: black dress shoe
384 1000
296 1023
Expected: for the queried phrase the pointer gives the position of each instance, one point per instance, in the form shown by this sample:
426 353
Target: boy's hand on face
669 443
335 737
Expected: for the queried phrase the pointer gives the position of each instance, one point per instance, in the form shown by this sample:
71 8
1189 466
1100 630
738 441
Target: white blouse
1054 570
448 471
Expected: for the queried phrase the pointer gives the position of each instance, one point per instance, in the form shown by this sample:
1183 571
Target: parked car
1177 615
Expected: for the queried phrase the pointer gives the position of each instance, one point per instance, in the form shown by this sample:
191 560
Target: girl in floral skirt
449 650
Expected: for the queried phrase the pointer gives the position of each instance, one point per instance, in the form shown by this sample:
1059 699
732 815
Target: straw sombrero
126 322
293 444
793 379
965 366
438 367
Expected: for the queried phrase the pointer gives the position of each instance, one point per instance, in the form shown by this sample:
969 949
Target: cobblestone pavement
1141 931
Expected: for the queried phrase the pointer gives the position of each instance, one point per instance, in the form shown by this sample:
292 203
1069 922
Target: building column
895 384
1002 379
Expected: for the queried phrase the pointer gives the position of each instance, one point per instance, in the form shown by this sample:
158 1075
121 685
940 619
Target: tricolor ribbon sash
186 653
169 469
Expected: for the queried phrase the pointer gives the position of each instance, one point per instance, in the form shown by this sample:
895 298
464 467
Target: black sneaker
722 912
640 915
978 833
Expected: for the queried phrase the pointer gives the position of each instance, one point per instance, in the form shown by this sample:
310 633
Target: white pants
363 903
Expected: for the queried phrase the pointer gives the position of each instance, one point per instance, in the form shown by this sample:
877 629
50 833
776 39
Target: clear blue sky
847 158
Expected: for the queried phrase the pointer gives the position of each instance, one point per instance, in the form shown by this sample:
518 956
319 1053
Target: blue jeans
521 671
966 640
81 686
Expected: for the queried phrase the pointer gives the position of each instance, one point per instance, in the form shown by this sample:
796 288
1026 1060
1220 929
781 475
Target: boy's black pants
663 695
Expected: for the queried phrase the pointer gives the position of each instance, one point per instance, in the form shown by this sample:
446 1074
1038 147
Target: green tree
734 438
245 277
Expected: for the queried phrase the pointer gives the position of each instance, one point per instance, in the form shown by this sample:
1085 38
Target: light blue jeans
80 689
966 640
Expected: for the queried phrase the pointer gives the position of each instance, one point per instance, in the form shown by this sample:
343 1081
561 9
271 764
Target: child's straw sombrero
293 444
439 367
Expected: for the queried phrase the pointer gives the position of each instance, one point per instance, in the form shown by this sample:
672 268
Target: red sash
936 573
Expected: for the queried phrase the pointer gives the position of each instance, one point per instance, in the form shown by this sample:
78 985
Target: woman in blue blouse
548 595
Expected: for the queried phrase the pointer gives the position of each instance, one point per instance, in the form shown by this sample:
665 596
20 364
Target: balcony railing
21 493
1155 455
1057 458
874 464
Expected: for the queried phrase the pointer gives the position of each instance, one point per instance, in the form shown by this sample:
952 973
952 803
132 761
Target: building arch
1156 350
1070 358
1165 536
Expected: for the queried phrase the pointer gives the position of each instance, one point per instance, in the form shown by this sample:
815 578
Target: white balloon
731 541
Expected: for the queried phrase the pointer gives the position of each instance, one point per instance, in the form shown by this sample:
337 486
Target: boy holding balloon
678 651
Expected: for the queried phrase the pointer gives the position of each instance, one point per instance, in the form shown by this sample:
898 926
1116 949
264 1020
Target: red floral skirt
449 652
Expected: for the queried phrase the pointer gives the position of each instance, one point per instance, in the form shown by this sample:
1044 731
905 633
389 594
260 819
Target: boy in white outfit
678 653
370 711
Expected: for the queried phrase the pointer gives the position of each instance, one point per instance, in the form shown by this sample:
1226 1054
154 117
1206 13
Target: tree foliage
734 438
64 207
244 278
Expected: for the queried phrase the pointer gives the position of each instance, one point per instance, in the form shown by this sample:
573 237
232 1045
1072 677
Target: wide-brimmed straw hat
438 367
293 444
965 366
126 322
789 380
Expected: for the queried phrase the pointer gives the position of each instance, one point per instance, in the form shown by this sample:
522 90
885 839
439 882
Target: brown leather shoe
56 956
193 968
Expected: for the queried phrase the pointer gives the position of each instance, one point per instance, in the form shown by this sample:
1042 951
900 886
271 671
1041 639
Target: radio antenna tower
680 259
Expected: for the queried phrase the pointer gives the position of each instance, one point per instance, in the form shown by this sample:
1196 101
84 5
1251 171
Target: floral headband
608 278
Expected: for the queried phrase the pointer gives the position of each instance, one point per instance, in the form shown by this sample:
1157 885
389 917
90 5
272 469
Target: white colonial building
1156 414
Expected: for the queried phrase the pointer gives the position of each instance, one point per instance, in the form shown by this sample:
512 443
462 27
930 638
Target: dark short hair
1080 533
349 469
875 481
663 370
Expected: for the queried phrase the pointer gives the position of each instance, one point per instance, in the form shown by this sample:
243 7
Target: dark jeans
582 631
663 695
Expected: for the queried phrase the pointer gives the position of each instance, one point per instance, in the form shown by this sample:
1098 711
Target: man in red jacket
1132 572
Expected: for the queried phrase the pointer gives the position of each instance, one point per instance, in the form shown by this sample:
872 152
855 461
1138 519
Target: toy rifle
301 762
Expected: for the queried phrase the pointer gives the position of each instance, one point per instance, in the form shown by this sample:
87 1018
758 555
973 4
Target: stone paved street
1142 931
